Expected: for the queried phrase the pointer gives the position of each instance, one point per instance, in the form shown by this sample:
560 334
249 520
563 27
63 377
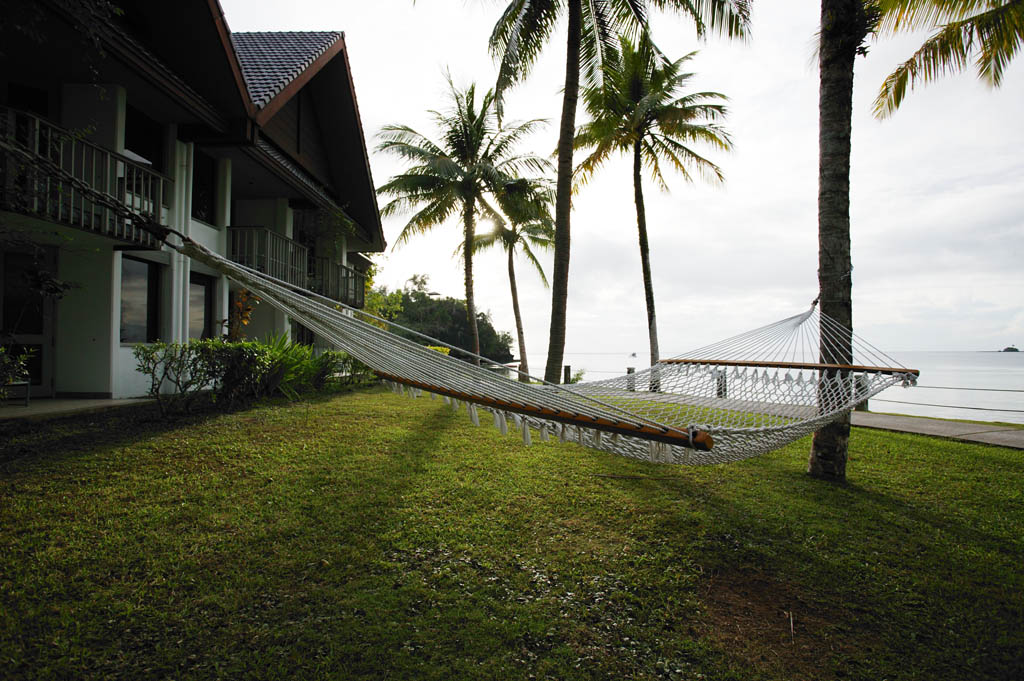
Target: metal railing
270 253
337 282
40 186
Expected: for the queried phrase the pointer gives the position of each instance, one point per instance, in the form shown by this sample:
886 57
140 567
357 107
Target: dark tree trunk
563 193
645 251
469 225
843 29
524 366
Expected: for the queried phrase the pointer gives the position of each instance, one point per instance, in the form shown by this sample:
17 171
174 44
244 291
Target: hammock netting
732 400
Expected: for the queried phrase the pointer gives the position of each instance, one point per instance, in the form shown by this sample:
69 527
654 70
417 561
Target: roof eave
224 34
377 239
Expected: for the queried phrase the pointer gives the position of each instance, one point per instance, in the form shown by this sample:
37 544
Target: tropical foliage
475 158
593 27
530 228
639 110
987 32
444 319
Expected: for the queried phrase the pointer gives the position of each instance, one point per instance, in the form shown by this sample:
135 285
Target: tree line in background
417 308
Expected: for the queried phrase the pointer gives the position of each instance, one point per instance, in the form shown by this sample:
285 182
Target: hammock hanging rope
732 400
744 396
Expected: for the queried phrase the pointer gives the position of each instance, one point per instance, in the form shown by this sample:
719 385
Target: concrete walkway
1003 436
48 407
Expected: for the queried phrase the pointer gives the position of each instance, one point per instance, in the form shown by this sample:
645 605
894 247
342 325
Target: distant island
1011 349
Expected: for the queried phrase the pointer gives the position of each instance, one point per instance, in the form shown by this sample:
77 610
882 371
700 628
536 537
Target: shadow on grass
26 442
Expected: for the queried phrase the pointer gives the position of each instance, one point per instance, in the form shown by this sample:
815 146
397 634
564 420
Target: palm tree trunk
645 254
563 192
524 366
843 28
469 224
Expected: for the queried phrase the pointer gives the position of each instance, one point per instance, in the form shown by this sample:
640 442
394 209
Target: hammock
729 401
745 396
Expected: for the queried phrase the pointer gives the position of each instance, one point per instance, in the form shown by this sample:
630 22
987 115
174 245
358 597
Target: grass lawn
368 535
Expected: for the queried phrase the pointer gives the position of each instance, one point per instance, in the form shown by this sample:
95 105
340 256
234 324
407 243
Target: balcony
50 173
270 253
337 282
282 258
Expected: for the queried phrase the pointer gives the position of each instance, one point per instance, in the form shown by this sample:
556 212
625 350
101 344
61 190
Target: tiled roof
271 60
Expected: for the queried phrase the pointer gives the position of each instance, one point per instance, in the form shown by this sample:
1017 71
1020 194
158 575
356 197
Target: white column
223 219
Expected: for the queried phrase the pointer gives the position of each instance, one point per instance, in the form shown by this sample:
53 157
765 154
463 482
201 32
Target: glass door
26 314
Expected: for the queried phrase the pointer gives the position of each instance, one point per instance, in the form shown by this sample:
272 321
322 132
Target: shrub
182 367
239 373
353 372
242 372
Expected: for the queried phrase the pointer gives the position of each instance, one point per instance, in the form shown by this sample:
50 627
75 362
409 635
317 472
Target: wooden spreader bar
796 365
702 440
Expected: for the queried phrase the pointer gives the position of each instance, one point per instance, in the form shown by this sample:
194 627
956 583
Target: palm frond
517 40
992 31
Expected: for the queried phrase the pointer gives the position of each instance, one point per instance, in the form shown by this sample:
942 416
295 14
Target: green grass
373 536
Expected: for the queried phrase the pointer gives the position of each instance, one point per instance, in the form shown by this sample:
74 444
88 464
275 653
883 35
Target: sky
937 191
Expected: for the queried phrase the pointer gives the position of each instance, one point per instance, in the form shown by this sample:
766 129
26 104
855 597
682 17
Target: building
249 143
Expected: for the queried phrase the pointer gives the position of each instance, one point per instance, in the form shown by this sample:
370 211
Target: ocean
977 386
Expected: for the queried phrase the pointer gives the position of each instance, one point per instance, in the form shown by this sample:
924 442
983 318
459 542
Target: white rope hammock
744 396
729 401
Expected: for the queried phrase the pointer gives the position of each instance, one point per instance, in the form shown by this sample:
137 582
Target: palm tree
530 227
638 110
475 158
844 26
593 27
989 31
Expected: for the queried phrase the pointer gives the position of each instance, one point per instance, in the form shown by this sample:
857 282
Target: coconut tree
475 158
529 228
593 26
844 26
639 109
990 32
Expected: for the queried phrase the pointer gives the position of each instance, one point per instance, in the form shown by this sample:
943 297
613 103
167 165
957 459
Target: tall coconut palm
990 32
639 109
592 28
844 26
475 158
530 228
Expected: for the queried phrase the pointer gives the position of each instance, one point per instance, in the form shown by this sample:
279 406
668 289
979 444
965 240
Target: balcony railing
337 282
268 252
49 173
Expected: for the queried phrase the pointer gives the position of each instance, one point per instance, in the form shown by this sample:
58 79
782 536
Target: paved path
1003 436
45 407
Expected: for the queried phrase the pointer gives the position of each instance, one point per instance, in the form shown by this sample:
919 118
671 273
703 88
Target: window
28 98
144 137
200 306
204 187
140 301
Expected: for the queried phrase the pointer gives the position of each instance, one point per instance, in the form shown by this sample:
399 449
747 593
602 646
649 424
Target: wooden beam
796 365
702 440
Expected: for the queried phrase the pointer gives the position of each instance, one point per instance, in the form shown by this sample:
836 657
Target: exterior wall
99 111
296 130
277 216
87 321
